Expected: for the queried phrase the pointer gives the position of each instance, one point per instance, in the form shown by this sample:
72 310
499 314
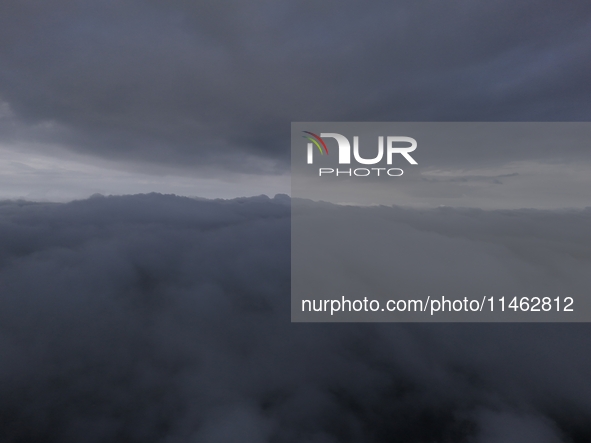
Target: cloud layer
216 84
157 318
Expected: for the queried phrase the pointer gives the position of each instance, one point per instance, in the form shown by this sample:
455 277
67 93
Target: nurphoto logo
394 145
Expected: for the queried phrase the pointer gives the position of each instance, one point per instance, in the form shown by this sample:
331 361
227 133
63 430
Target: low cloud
157 318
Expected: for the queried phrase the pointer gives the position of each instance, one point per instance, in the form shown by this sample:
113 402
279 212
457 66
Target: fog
157 318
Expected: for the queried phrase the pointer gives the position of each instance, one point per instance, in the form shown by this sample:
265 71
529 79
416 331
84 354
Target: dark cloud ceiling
216 84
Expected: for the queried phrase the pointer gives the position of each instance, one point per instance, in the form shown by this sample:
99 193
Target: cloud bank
157 318
216 83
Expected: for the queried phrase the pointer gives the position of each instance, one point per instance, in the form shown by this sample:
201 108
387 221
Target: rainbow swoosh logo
316 139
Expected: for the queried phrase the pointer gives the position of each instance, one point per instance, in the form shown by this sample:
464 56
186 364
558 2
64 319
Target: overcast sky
196 98
159 318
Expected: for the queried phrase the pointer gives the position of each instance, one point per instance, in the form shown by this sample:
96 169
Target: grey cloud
496 179
157 318
217 83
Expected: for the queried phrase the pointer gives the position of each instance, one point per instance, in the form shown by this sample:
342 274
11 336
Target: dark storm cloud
157 318
205 83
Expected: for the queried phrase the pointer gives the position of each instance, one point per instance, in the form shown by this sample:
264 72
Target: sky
145 221
486 165
197 98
